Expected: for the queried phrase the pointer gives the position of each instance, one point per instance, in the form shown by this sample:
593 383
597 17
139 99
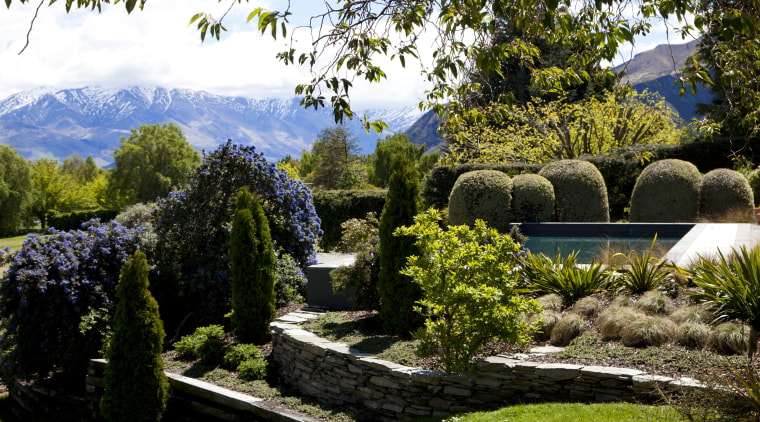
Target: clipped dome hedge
723 191
666 191
579 191
481 194
754 183
532 198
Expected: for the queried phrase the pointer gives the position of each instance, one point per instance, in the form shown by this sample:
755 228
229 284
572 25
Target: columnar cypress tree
252 261
398 293
136 388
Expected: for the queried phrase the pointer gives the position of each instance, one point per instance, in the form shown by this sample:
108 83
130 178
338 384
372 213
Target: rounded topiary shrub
725 193
484 195
666 191
532 198
579 191
754 183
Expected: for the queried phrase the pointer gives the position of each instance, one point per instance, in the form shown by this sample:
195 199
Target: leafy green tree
136 388
15 189
398 294
49 188
82 171
379 163
153 160
252 261
335 152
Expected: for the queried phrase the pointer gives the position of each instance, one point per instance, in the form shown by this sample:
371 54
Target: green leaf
192 20
131 5
256 12
8 4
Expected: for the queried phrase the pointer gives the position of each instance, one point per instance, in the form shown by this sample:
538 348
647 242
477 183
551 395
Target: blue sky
156 47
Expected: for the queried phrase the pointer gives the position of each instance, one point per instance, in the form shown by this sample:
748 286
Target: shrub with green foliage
462 273
643 273
725 191
398 293
205 343
482 195
240 353
579 191
252 369
666 191
289 281
360 278
754 183
732 285
252 262
564 277
532 198
136 388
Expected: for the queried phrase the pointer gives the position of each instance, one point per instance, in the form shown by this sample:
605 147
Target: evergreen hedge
73 220
136 388
334 207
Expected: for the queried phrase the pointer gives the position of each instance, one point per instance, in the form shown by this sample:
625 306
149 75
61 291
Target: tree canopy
153 160
350 37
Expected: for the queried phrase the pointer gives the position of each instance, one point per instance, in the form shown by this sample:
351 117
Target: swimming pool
595 240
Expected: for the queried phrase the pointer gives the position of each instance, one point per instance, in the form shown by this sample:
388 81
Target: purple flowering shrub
52 284
193 223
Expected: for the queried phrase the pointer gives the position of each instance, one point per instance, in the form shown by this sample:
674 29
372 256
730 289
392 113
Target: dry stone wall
341 375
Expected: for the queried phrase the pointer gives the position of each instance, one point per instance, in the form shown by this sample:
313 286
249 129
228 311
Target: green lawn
562 412
14 242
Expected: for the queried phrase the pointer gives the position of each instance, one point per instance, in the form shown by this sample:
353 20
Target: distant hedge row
620 169
73 220
336 206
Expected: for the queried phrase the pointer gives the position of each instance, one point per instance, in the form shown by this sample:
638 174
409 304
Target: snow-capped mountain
91 121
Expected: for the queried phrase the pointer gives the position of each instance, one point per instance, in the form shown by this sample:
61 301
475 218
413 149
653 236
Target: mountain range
91 121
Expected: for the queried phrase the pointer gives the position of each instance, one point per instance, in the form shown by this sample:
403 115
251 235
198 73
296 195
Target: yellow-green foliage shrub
532 198
725 191
484 195
666 191
648 331
566 329
579 191
732 338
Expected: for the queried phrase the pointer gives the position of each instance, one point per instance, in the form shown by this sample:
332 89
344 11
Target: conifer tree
252 261
136 388
398 293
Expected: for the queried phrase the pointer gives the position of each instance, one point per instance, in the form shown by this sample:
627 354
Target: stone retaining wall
337 374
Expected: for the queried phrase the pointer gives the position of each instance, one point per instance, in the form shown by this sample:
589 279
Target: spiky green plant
564 277
643 273
746 386
731 284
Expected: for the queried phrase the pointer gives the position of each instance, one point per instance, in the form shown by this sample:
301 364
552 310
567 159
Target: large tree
336 151
379 164
153 160
15 189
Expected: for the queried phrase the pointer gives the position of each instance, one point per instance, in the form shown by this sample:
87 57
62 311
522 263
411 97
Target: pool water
592 248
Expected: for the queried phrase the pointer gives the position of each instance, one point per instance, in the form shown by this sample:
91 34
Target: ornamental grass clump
733 338
648 331
730 284
700 313
586 307
136 388
654 303
551 301
692 334
470 293
543 324
566 329
613 319
564 278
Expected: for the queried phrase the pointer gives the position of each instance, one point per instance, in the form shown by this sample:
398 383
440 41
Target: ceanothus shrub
51 285
193 224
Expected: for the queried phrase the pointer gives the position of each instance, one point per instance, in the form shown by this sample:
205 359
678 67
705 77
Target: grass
12 242
561 412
